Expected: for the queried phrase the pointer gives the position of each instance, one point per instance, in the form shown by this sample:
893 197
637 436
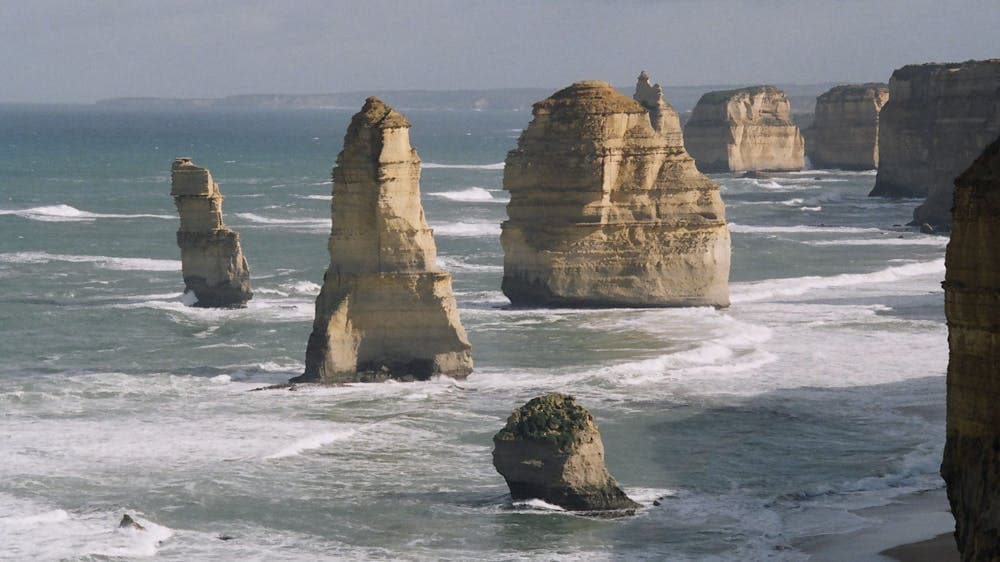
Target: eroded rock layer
939 117
211 256
551 450
385 310
745 129
971 466
606 211
845 130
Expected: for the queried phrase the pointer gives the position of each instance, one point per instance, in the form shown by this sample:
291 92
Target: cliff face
211 256
938 119
606 211
385 310
744 129
971 464
845 131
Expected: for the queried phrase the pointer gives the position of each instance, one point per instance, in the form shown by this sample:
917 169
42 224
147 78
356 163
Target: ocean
819 392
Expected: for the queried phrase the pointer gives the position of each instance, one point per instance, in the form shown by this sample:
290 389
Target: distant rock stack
551 450
743 130
606 211
844 134
971 464
211 257
662 116
385 310
938 119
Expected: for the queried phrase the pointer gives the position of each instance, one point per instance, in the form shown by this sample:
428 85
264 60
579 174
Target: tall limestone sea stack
385 309
606 211
939 117
212 261
971 464
744 129
845 132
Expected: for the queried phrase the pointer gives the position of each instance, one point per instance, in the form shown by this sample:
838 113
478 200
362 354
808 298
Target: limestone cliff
745 129
385 310
971 464
845 130
211 256
606 211
938 119
551 450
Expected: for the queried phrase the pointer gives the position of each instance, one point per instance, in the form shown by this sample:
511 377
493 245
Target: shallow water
819 391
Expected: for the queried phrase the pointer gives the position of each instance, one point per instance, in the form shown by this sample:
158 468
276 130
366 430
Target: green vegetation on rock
554 418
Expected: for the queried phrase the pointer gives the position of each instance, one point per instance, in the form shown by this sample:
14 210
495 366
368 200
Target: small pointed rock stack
385 310
607 211
971 466
662 116
211 257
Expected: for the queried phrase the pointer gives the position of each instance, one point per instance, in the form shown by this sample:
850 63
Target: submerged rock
845 132
551 450
385 309
128 522
939 117
744 129
971 466
211 256
605 210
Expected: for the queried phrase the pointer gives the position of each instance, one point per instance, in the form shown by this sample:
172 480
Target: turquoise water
819 391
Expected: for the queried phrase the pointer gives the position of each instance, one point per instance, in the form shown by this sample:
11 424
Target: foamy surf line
467 229
311 442
66 213
107 262
799 228
470 195
433 165
796 286
307 223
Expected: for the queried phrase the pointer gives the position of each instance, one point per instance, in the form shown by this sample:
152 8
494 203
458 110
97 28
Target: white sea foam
467 229
471 195
451 263
67 213
535 504
316 197
497 166
312 442
106 262
921 241
796 286
309 223
799 228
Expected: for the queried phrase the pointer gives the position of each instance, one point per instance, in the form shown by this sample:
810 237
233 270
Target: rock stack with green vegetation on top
844 133
606 210
385 309
551 450
971 466
212 261
747 129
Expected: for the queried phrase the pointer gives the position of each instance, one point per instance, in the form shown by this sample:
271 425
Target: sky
85 50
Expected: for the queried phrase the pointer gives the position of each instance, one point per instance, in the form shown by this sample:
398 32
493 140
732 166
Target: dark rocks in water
756 175
926 229
551 450
226 537
971 466
128 522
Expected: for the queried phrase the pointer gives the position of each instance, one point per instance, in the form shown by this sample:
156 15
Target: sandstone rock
211 256
385 310
551 450
845 132
971 466
606 211
662 116
745 129
939 117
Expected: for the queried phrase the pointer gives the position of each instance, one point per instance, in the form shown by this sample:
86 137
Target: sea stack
385 309
212 261
971 466
606 211
551 450
939 117
743 130
844 134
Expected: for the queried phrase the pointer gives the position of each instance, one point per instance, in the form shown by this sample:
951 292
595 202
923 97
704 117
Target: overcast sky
83 50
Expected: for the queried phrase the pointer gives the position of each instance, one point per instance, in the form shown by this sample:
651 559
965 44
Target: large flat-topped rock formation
385 310
606 211
971 464
845 131
744 129
938 119
211 256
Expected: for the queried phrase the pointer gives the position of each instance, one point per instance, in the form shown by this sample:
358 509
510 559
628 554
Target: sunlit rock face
606 211
844 134
743 130
939 117
971 464
212 261
385 310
